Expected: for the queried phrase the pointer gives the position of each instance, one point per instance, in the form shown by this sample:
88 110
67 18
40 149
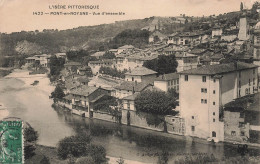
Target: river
32 104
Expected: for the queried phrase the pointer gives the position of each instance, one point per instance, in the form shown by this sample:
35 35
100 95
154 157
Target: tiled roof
84 90
140 71
131 97
130 85
98 54
72 64
219 68
197 51
126 47
166 77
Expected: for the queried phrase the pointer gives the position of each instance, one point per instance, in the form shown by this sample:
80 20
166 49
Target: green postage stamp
11 142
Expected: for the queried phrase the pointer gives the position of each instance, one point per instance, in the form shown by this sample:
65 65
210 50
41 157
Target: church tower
243 28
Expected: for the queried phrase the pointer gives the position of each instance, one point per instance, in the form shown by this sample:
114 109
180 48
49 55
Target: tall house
141 74
204 91
243 28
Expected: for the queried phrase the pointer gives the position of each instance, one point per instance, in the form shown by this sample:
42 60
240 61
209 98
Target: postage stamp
11 142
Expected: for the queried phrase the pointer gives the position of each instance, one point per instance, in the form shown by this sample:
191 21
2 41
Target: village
215 84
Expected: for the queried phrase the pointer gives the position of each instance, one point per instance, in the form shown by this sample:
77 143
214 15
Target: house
72 66
129 102
43 60
167 81
172 39
128 88
84 71
156 36
61 55
103 82
83 80
98 54
140 74
173 49
186 61
138 59
124 48
216 58
82 97
207 89
216 31
189 38
243 116
175 124
96 65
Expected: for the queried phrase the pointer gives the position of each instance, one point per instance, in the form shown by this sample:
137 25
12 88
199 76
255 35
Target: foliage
112 72
197 159
138 38
163 64
254 14
155 102
57 93
30 136
98 153
45 160
109 55
56 65
85 160
74 145
77 55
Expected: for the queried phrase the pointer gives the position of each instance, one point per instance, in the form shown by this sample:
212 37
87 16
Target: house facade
212 87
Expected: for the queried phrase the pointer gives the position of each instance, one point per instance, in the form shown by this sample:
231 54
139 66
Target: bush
98 153
74 145
85 160
30 136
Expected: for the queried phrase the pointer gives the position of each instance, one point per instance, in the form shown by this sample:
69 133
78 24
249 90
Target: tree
163 64
241 6
109 55
56 65
85 160
31 136
57 93
74 145
98 153
155 102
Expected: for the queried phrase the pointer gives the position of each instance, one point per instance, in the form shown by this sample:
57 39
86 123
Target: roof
130 85
131 97
31 58
197 51
68 97
219 68
72 64
98 54
126 47
166 77
184 55
141 71
248 102
83 79
84 90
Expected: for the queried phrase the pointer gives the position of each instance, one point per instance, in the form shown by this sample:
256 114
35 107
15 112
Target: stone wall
138 121
103 116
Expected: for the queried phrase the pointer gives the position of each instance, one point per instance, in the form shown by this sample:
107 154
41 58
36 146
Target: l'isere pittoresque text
57 10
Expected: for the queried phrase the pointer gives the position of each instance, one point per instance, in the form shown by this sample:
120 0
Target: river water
32 104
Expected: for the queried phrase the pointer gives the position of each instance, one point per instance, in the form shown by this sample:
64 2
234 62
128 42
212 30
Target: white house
140 74
167 81
204 91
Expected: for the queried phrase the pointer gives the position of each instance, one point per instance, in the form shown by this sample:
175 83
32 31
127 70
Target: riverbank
5 71
51 153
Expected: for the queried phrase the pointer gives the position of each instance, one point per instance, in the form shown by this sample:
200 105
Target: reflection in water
145 145
31 103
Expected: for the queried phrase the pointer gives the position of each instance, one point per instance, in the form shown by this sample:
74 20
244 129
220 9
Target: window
192 117
253 71
214 103
193 128
202 101
249 81
239 74
177 81
214 134
214 80
128 105
203 78
169 83
242 115
186 77
214 92
253 81
173 120
205 101
241 125
214 120
242 133
233 133
213 113
203 90
173 128
239 84
133 79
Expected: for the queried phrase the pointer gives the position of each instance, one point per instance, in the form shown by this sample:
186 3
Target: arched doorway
214 134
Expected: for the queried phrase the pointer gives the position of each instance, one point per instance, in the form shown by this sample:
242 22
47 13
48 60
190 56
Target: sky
17 15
